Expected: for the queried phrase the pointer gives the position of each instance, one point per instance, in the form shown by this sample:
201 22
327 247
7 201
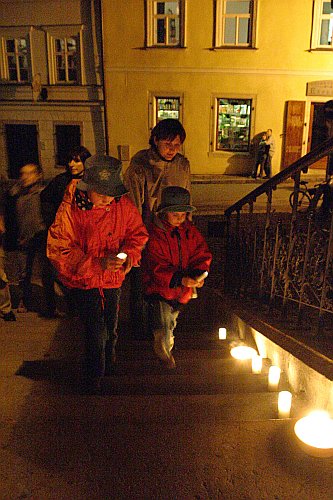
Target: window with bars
66 60
16 59
235 23
233 124
322 25
165 23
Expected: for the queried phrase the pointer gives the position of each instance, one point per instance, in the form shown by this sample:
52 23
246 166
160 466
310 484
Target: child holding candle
96 238
174 264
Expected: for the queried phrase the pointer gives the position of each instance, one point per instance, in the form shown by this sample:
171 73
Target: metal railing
283 259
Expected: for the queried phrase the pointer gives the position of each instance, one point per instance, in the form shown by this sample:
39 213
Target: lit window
165 23
164 105
167 107
322 25
66 60
16 60
235 23
233 124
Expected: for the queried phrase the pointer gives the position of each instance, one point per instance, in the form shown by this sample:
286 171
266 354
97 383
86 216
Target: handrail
301 164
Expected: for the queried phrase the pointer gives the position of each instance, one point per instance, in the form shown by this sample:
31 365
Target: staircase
206 430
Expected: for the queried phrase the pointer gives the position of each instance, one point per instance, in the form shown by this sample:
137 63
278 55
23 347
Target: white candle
274 377
222 333
256 364
122 255
284 404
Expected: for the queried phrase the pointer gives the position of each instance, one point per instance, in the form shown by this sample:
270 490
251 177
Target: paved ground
207 430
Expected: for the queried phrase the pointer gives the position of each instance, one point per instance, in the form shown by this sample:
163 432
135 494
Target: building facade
228 69
51 92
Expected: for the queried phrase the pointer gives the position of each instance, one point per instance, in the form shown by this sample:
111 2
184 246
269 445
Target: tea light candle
284 404
274 373
222 333
256 364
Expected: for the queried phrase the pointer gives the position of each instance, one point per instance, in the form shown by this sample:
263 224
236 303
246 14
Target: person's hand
128 264
191 282
112 263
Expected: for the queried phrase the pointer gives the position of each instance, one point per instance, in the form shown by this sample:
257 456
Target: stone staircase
207 430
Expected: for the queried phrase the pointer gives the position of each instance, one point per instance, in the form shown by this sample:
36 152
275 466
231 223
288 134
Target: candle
284 404
274 377
122 255
256 364
222 333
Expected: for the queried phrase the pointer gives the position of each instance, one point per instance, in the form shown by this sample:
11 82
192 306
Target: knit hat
175 199
103 175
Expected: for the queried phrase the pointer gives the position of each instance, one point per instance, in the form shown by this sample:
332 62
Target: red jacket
168 257
79 238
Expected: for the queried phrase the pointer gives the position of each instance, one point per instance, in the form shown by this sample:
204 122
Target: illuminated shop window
16 60
165 23
233 123
167 107
235 23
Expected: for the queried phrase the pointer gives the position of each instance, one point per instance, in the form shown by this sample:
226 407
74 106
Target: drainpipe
106 129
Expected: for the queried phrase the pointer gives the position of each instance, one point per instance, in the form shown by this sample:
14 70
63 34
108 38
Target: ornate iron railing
284 259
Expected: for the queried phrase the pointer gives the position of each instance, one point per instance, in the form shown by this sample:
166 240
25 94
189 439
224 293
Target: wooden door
293 132
317 131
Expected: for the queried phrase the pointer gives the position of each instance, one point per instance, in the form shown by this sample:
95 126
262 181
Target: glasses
170 145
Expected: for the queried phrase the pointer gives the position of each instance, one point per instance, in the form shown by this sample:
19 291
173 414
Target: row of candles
274 373
314 431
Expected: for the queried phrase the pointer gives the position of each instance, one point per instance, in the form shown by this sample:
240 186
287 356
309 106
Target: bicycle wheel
303 202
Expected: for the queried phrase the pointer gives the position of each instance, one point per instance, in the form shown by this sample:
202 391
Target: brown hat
175 199
103 175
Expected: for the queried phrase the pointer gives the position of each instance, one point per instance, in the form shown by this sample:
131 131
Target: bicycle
308 198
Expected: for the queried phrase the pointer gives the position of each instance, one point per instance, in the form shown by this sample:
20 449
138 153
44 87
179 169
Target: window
165 105
66 138
235 23
15 60
66 60
165 23
65 55
233 124
322 25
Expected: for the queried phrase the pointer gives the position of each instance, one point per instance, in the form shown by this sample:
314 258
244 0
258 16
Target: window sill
321 49
235 47
173 47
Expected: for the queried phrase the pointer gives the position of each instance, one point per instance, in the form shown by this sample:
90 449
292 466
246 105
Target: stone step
195 409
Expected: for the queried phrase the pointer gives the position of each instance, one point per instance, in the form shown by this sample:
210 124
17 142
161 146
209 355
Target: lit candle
222 333
256 364
122 255
284 404
274 377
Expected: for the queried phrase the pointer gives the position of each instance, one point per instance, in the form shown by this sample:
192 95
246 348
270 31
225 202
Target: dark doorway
317 131
67 137
22 147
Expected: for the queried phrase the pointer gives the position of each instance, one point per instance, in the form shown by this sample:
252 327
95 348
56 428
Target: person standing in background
270 141
52 195
150 171
31 238
5 299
